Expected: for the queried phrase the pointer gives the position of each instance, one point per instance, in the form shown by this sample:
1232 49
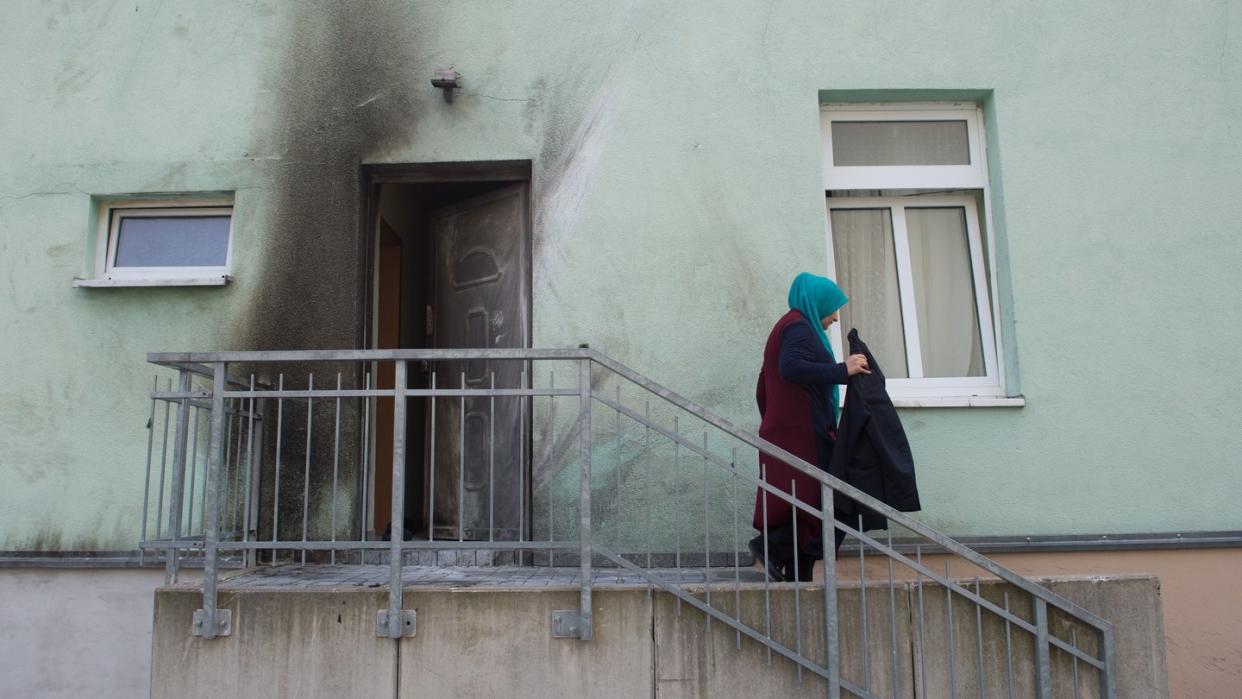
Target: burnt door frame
375 175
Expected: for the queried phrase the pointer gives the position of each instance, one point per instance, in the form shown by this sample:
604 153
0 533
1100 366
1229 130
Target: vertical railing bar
922 642
1108 683
948 596
797 577
255 467
239 408
707 545
280 423
211 515
892 619
584 495
831 642
767 558
491 463
226 467
431 488
198 417
737 563
146 488
1074 658
1043 663
647 488
397 539
677 504
366 460
159 507
336 461
552 470
461 464
522 458
249 470
176 498
236 467
310 404
619 505
862 591
202 497
1008 651
979 637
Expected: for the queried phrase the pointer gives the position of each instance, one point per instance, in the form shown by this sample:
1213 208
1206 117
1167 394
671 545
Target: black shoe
756 550
806 569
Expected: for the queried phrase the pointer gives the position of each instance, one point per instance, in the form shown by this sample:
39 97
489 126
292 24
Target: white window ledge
961 402
116 283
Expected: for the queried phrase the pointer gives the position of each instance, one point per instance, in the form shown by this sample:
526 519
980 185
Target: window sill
118 283
961 402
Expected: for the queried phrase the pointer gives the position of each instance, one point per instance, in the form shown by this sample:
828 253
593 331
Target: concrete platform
486 632
517 577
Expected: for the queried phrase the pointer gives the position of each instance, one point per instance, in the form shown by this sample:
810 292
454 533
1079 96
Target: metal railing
610 481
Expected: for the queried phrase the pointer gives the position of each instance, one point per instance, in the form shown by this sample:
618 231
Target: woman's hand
857 364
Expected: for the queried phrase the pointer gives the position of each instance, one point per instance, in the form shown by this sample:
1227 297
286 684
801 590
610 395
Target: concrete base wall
1202 607
497 642
76 632
284 643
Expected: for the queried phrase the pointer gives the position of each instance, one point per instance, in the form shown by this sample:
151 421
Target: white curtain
862 243
944 292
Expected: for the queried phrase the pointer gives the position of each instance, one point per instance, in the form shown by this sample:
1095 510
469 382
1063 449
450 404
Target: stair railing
607 482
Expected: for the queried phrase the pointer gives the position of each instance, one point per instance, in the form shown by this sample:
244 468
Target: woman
798 395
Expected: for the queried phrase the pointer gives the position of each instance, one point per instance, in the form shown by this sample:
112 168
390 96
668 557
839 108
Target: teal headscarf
815 298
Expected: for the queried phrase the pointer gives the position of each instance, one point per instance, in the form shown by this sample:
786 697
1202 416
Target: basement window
167 242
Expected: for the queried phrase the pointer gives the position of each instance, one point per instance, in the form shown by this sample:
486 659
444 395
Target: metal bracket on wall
409 623
566 623
224 622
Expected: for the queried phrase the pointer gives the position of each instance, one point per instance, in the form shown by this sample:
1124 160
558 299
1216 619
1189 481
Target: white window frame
111 213
972 176
917 390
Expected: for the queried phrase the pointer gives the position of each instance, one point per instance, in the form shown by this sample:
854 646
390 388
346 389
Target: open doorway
450 268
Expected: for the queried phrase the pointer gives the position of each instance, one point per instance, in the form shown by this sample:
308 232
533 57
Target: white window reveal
907 194
164 243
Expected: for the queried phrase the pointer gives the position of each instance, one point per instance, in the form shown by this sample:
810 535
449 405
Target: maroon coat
786 421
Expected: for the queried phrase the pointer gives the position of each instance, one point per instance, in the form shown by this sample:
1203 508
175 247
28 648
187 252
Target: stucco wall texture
677 190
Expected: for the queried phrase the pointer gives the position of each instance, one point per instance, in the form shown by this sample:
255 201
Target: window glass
172 241
867 271
881 143
944 292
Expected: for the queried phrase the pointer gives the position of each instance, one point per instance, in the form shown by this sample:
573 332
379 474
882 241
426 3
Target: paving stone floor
376 576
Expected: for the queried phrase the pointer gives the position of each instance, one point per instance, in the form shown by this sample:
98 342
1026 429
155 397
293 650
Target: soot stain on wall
345 89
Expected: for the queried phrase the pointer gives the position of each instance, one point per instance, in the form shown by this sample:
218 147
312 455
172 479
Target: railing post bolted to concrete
1108 688
180 439
210 622
828 537
394 622
1043 661
584 495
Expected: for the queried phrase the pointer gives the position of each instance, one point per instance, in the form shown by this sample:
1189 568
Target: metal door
480 299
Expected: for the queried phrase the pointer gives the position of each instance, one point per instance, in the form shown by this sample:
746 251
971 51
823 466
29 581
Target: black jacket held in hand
872 453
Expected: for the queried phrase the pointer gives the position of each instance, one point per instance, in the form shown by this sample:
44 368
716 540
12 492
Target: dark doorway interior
451 268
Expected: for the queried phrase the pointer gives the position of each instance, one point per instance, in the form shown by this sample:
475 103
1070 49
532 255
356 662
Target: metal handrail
235 401
855 494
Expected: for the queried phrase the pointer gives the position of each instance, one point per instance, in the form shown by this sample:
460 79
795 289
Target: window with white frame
907 190
168 241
